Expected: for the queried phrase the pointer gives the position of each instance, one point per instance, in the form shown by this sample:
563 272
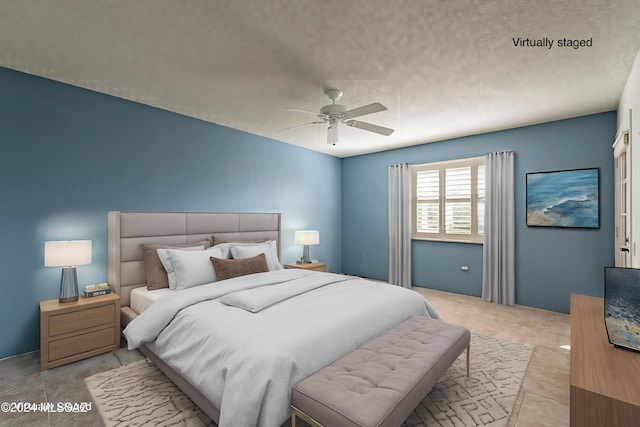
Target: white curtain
400 225
498 265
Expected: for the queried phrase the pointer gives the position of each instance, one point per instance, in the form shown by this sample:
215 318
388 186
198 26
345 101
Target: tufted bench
380 383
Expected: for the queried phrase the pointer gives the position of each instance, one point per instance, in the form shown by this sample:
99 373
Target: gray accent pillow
230 268
156 273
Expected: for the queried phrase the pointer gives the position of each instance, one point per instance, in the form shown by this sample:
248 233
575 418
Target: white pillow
226 247
189 268
269 249
163 255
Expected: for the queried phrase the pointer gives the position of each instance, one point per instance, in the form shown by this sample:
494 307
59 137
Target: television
622 306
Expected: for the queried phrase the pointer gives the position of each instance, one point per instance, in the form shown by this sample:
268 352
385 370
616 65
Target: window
448 200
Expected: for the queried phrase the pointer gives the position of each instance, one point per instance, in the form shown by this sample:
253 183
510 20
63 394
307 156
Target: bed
237 346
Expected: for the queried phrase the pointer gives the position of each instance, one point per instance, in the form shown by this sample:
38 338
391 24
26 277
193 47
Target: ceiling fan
334 114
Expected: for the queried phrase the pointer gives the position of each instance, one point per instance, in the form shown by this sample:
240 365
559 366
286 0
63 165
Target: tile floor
543 399
544 396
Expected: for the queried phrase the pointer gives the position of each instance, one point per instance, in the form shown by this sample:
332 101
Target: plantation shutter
448 200
458 200
428 201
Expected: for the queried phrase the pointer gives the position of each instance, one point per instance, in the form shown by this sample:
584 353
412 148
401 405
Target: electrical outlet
464 268
363 255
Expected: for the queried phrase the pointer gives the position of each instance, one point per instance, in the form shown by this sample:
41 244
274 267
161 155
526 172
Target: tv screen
622 306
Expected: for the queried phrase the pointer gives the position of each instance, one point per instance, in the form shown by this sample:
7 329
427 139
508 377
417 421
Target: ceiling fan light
332 135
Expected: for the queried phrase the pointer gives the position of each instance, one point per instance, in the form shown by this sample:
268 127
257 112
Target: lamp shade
307 237
67 253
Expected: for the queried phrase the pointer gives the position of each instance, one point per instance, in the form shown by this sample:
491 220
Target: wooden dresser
76 330
605 380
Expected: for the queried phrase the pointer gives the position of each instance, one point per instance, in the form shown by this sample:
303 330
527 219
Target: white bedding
246 362
141 298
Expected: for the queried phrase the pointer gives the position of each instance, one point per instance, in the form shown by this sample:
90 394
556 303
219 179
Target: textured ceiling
443 68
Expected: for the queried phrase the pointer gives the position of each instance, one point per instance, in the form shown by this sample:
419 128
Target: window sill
447 240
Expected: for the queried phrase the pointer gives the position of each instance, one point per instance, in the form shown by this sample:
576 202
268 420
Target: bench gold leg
295 412
468 357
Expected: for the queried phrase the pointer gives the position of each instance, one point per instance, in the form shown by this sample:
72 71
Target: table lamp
67 254
306 238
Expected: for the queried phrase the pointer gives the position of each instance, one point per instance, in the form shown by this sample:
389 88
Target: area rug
485 398
139 394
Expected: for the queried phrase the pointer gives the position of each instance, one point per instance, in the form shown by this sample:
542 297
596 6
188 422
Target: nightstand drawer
78 344
82 319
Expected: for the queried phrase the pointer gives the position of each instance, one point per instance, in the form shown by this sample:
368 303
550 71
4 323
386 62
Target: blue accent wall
551 263
70 155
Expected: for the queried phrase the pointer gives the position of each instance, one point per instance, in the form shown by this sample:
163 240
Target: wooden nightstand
315 266
76 330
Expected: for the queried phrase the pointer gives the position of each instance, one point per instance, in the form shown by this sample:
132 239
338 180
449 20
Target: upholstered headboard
128 230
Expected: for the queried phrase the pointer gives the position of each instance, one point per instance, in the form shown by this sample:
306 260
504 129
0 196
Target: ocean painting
564 198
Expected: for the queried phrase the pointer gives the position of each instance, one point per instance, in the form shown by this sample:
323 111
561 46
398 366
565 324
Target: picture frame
564 199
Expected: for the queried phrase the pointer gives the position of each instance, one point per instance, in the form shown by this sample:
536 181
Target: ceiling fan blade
299 126
370 127
332 135
302 111
366 109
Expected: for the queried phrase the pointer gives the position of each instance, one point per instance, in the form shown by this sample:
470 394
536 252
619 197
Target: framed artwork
568 199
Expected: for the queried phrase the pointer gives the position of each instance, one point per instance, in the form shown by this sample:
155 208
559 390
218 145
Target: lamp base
305 255
68 285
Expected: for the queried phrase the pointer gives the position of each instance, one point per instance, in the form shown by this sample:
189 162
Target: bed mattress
142 298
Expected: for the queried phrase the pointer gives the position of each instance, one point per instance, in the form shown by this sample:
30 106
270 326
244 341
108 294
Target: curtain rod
503 151
491 152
